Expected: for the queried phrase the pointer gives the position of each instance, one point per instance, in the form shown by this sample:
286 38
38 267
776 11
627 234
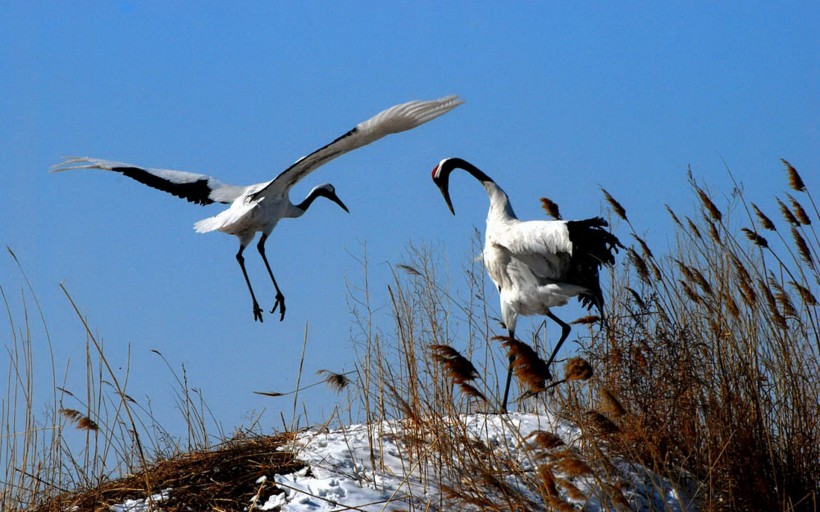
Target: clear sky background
561 99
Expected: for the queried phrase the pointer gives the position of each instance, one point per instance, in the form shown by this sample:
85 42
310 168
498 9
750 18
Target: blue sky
561 99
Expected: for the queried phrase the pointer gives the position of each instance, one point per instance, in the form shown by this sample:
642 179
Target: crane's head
441 177
325 190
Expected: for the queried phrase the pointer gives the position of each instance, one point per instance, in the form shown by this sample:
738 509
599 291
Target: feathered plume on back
593 247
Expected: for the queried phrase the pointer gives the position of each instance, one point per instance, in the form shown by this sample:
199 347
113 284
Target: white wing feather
395 119
544 246
163 179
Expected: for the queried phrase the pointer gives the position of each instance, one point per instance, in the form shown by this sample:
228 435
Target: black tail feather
592 247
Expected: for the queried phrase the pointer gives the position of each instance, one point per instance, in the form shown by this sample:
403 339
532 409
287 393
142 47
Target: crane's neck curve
500 207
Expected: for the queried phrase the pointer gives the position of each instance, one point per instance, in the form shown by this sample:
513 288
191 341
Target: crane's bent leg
280 299
507 385
509 377
257 311
565 329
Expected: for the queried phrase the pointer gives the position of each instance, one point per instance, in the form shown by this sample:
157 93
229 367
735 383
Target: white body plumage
537 264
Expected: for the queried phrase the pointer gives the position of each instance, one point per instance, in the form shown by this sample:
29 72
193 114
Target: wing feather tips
198 191
411 114
195 188
72 163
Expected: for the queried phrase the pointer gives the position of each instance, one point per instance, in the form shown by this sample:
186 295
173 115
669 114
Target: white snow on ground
366 468
340 473
142 505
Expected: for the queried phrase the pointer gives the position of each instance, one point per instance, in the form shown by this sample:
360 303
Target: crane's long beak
446 193
333 197
444 186
441 177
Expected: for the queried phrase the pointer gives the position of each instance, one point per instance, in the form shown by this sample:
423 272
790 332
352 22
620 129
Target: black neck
304 205
460 163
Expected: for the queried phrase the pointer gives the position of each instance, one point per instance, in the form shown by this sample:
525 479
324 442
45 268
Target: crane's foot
280 303
257 312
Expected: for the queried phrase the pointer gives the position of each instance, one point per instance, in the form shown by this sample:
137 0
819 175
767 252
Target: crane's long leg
257 311
509 379
565 329
280 298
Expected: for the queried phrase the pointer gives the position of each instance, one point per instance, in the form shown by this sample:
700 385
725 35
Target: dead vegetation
706 372
222 478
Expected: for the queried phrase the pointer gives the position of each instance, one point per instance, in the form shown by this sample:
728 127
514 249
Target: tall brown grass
714 348
416 374
80 437
707 372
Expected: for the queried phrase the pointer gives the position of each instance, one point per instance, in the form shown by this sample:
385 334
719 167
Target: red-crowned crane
259 207
536 264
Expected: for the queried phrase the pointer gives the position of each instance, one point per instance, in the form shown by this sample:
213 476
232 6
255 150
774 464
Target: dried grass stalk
458 367
637 298
599 424
713 231
336 381
644 247
616 206
795 182
551 207
545 440
802 247
799 212
639 264
548 481
675 218
409 269
787 214
755 238
577 368
82 421
584 320
471 391
771 302
729 302
529 369
709 205
805 294
693 228
269 393
782 298
765 222
609 404
701 281
694 297
572 467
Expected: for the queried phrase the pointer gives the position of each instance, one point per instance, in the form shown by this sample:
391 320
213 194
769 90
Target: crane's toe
257 312
280 303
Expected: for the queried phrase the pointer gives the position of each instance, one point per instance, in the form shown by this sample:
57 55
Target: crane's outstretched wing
196 188
395 119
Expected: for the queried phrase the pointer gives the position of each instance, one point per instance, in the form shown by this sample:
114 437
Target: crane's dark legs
509 379
565 328
280 299
257 311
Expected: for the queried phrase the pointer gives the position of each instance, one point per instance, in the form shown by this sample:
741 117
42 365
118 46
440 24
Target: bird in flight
536 264
259 207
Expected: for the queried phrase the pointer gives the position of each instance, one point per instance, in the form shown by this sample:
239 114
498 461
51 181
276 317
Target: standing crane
536 264
259 207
